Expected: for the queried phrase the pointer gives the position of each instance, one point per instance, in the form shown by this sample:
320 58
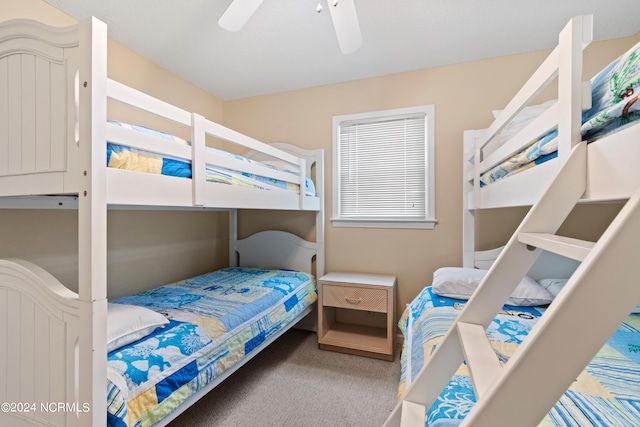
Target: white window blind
383 168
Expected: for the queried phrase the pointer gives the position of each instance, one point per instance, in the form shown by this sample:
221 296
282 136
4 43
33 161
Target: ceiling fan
343 15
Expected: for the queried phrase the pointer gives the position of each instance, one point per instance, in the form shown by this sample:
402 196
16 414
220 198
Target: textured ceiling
286 45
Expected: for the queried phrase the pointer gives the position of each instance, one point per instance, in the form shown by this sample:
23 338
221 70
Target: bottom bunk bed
210 323
166 346
606 393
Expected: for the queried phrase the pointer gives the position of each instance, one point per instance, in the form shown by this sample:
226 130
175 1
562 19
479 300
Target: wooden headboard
275 249
38 69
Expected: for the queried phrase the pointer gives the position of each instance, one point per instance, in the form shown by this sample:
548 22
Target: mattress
215 320
614 92
605 394
123 157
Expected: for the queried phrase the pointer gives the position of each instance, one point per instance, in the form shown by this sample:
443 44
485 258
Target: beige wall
146 248
464 96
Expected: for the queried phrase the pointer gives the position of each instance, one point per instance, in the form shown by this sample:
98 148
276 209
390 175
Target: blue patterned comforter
605 394
122 157
215 320
615 105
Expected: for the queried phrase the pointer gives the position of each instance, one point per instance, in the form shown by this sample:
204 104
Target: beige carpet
293 383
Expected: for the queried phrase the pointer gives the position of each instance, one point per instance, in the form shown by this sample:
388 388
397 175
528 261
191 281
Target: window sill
360 223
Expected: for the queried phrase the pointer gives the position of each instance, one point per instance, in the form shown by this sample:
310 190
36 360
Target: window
383 169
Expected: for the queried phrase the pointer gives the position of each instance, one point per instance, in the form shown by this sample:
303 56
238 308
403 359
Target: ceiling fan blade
345 21
238 13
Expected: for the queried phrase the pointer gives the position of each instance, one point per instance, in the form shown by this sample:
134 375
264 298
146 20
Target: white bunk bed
612 173
520 386
53 154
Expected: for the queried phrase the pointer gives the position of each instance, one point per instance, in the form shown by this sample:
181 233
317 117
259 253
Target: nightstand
356 314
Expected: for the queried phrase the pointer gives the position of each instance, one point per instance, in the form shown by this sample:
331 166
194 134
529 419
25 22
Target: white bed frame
525 388
612 172
53 155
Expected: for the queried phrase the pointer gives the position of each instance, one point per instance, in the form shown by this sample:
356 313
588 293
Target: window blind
382 168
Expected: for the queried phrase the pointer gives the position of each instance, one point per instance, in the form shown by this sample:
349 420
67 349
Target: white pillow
129 323
519 121
460 283
555 285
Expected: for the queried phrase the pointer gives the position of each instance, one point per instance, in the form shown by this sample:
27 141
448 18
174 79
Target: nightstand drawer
355 298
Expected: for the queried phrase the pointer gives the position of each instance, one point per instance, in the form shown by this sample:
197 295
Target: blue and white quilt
123 157
605 394
215 320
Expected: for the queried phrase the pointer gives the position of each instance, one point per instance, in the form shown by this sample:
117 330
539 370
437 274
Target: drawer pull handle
354 301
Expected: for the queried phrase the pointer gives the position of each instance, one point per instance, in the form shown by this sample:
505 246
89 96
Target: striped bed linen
605 394
215 321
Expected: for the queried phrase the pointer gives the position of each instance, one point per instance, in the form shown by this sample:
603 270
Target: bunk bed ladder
567 336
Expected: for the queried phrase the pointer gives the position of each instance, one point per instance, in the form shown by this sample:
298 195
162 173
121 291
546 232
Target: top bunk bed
57 138
513 161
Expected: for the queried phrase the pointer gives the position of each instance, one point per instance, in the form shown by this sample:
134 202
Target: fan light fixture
334 3
343 15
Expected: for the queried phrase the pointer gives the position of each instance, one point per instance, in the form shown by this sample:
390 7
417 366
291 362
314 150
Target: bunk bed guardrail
564 66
